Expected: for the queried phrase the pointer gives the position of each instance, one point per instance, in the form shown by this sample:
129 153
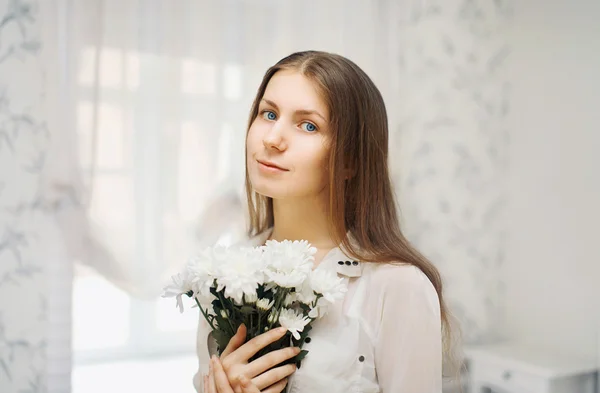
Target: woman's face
287 144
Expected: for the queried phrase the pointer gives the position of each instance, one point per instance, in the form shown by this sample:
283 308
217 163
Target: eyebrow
300 111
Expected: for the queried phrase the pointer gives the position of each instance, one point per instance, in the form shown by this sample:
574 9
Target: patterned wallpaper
28 234
450 143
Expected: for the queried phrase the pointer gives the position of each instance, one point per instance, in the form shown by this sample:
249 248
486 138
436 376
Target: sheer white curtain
161 92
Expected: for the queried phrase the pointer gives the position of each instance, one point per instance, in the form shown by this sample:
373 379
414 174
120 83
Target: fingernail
297 349
281 330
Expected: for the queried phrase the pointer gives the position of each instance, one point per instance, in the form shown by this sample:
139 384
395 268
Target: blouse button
355 263
340 262
348 263
307 340
361 359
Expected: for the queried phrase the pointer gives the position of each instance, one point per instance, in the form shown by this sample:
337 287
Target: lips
271 165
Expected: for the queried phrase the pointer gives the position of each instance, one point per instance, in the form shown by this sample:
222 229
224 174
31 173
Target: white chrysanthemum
293 321
320 309
327 284
240 272
305 294
250 298
264 304
201 268
182 284
272 318
290 298
288 263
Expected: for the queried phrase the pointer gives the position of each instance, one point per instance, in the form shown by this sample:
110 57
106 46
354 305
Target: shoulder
401 282
399 275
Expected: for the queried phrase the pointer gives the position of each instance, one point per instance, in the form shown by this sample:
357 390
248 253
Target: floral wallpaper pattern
450 147
28 232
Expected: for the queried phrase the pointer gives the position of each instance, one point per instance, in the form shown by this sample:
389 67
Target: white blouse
384 337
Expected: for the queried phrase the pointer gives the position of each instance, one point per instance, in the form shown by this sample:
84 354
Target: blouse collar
335 258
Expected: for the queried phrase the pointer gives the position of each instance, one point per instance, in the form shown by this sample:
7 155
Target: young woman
316 169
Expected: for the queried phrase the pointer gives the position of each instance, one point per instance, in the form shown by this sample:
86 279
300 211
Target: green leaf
299 357
247 310
303 336
228 303
263 293
222 339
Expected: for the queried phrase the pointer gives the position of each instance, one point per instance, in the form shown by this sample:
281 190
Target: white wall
553 256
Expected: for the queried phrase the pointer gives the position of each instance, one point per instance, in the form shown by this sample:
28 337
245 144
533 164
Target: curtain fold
160 95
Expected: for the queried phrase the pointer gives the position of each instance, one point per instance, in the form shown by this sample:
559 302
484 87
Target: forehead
291 90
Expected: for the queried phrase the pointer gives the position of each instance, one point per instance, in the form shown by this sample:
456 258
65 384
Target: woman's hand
234 362
217 381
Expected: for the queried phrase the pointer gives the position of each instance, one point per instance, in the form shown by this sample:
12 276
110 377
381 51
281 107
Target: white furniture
514 368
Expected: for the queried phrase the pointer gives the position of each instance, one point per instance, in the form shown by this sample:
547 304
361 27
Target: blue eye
310 127
269 115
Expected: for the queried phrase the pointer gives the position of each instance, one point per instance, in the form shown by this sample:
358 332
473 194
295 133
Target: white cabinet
513 368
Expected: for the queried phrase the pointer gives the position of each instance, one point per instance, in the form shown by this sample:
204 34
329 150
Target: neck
302 219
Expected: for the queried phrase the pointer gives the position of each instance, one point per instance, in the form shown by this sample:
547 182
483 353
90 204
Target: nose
274 139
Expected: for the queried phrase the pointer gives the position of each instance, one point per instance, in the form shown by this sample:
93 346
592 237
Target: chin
273 189
266 190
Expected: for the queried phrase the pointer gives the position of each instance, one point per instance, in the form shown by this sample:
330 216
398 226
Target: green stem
222 300
205 313
259 318
277 306
314 304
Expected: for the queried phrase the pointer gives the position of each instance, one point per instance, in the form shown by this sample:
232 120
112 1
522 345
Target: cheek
317 160
253 139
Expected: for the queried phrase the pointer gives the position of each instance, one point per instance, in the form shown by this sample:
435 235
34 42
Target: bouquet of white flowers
262 287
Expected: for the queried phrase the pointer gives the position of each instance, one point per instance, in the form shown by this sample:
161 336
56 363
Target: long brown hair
363 204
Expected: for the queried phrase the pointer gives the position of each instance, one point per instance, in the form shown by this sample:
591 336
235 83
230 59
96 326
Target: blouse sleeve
408 348
202 352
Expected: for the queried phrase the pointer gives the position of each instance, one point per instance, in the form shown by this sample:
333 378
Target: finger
247 386
250 348
277 388
220 376
211 380
206 388
270 360
236 341
273 376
